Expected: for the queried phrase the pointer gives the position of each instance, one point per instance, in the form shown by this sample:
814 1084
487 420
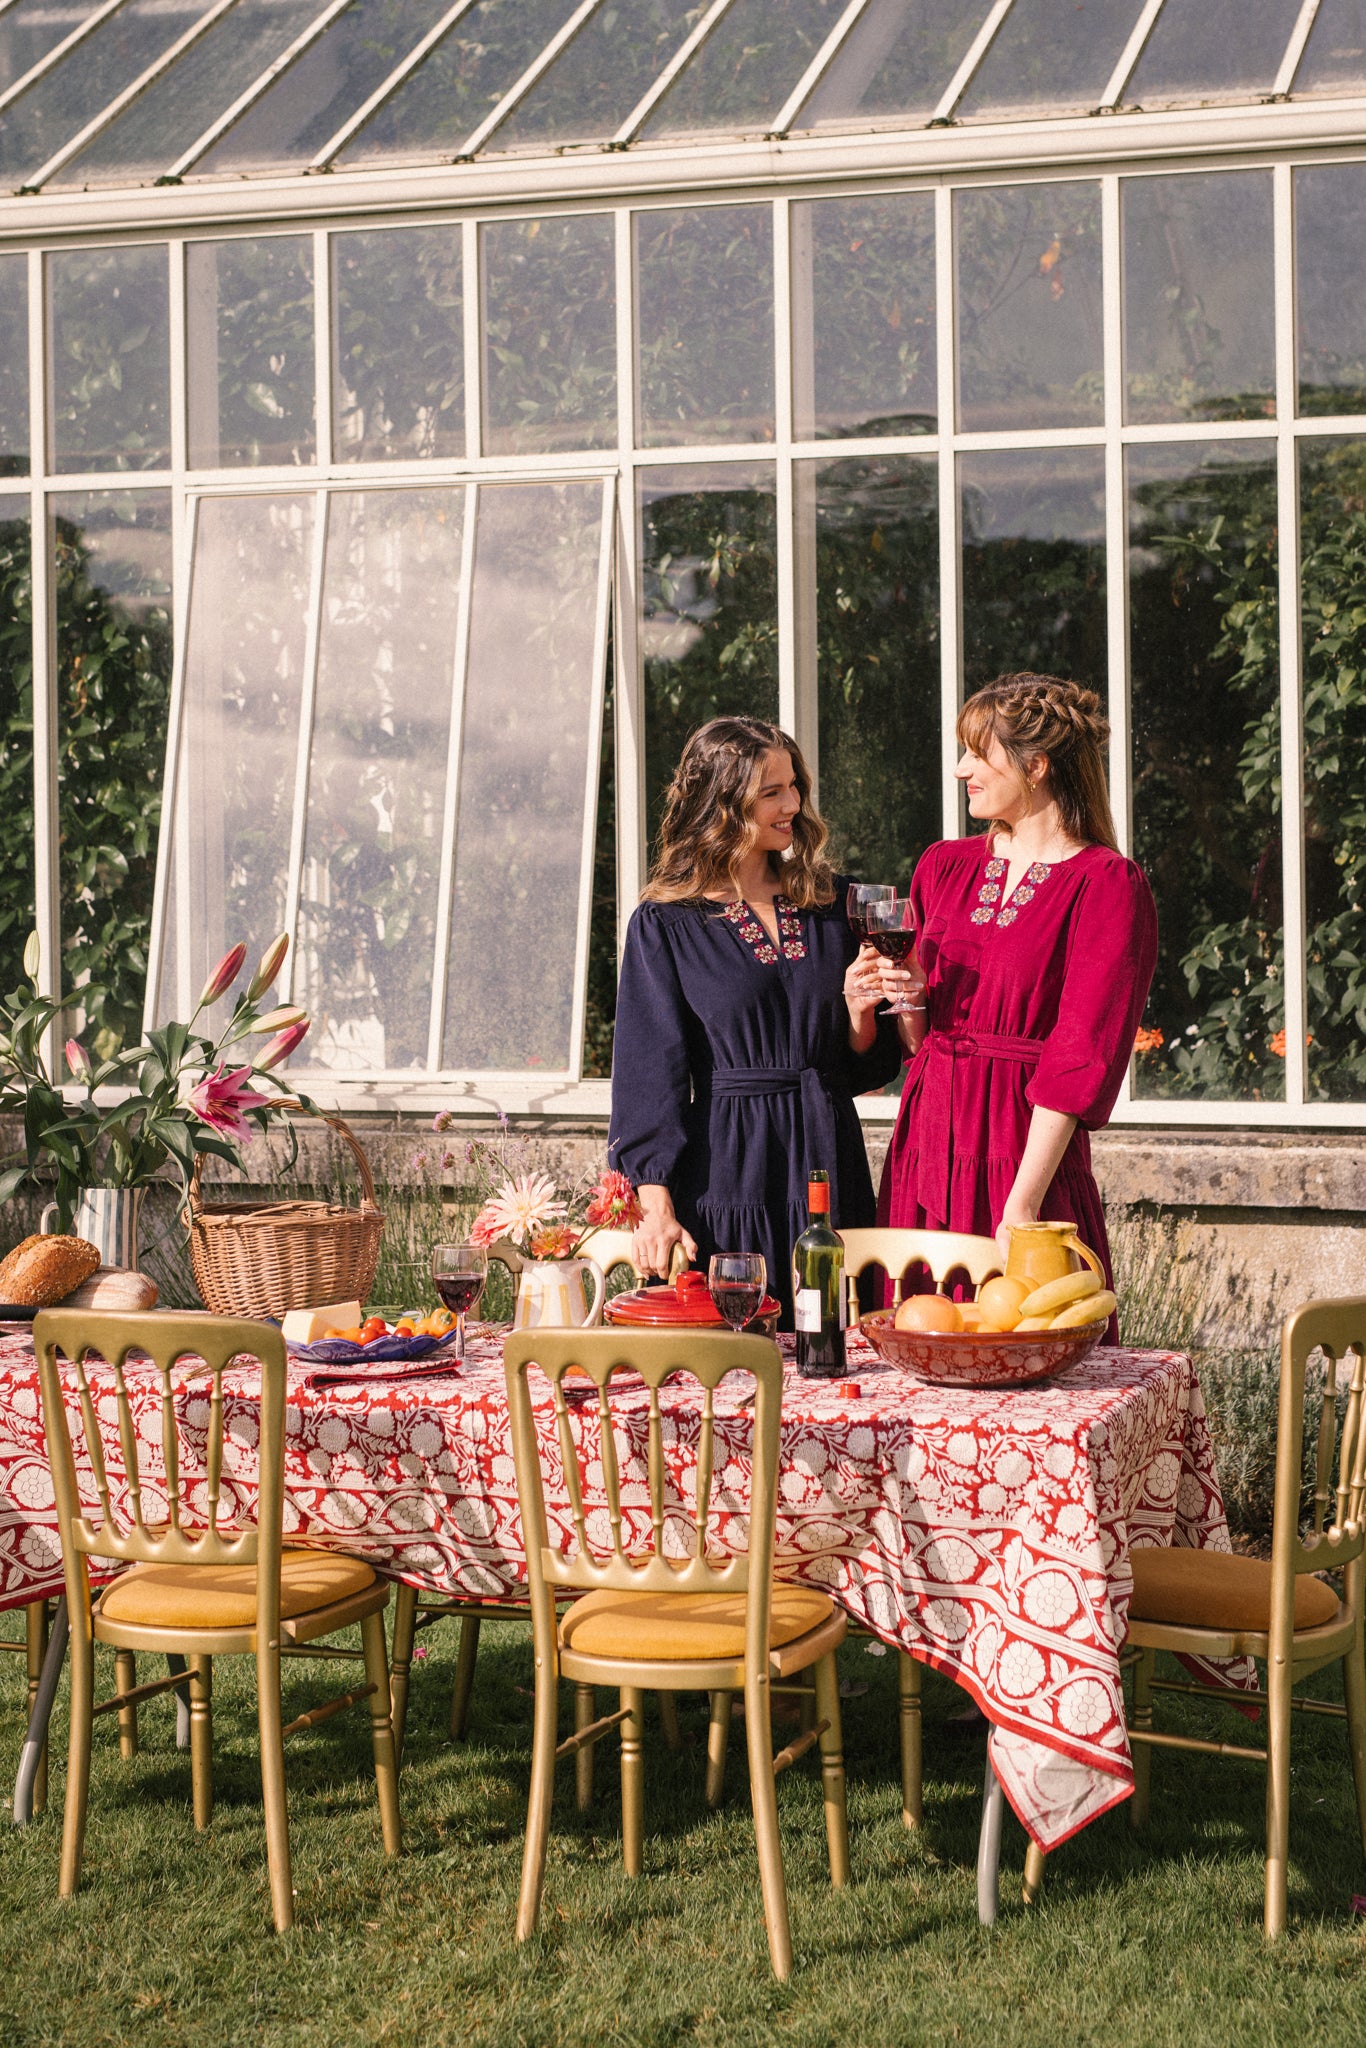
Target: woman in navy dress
746 1015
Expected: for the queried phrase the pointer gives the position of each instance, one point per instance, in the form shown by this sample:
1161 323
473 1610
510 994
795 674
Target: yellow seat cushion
1212 1589
224 1596
677 1628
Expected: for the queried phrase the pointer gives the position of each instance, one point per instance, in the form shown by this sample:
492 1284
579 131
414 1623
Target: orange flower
1278 1043
554 1241
1149 1040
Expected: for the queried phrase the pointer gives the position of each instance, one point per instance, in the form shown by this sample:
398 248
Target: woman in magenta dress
1035 946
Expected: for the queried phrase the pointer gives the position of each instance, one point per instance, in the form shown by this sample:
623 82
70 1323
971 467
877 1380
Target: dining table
987 1531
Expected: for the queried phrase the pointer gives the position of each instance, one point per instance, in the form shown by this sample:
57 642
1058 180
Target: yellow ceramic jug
1040 1252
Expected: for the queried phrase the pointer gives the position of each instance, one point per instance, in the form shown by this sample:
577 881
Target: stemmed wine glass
861 894
891 930
458 1274
736 1283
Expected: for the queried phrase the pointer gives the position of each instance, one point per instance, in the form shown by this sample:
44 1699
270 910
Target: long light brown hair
708 827
1032 715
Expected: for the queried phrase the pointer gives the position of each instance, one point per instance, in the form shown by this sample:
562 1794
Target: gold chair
223 1590
33 1649
653 1618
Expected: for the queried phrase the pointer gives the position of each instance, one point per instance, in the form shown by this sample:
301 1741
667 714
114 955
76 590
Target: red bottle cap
818 1197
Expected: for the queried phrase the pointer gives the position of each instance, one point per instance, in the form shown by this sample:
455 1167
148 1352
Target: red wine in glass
458 1275
892 932
860 895
736 1283
459 1291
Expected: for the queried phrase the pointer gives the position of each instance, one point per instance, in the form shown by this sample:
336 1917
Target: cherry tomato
404 1328
372 1327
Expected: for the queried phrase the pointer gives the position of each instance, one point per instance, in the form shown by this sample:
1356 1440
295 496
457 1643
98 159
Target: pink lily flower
224 975
283 1044
221 1098
277 1020
272 960
77 1063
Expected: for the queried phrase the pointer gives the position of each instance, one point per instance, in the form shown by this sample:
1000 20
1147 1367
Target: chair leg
401 1661
668 1721
1278 1685
1354 1686
718 1736
1035 1859
831 1741
464 1676
764 1798
382 1732
1141 1716
201 1739
78 1751
125 1678
270 1721
633 1781
908 1684
585 1710
543 1743
35 1644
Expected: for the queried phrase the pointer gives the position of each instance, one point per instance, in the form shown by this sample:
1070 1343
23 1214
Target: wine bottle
818 1282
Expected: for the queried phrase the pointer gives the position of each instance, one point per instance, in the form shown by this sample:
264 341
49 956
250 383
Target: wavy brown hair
707 828
1032 715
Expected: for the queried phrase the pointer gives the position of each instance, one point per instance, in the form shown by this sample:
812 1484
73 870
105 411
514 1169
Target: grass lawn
1155 1940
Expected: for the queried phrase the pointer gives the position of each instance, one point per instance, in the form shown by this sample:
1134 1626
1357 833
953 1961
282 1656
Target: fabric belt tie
933 1073
820 1132
989 1045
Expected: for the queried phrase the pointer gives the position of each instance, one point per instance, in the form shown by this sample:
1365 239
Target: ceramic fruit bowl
978 1358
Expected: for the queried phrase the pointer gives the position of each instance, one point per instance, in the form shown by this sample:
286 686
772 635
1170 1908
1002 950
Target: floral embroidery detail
757 939
790 928
981 916
989 895
1008 916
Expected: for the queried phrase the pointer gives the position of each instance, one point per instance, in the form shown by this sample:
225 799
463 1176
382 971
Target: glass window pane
704 291
1330 287
1029 309
1050 56
897 63
1199 321
160 125
13 366
709 605
740 77
877 630
249 329
234 800
530 693
1205 717
305 106
550 334
1334 58
1034 564
114 642
600 76
398 301
377 778
1211 50
1332 574
461 82
111 358
863 316
83 84
30 30
17 900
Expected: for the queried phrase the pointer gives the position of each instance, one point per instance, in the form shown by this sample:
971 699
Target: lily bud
76 1060
272 960
282 1045
33 955
277 1020
224 975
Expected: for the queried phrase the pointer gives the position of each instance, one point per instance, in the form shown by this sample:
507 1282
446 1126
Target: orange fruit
928 1312
999 1300
970 1315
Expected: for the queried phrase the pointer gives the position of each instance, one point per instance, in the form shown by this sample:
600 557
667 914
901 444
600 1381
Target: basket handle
194 1198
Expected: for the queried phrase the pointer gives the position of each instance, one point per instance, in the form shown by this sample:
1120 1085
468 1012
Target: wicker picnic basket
264 1258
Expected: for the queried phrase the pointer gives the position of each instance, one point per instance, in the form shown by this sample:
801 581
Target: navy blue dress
732 1074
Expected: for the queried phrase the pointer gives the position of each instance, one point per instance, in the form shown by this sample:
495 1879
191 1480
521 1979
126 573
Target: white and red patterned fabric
986 1531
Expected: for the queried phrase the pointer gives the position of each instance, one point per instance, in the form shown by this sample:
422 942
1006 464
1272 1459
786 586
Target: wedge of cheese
307 1325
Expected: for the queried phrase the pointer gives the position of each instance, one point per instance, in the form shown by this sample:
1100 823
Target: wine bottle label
808 1308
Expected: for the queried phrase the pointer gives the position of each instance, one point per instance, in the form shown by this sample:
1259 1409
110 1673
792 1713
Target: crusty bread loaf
42 1270
115 1287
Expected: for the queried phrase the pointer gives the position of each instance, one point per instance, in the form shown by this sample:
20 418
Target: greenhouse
415 418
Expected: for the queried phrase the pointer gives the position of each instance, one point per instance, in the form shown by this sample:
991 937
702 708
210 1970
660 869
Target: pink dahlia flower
612 1200
222 1097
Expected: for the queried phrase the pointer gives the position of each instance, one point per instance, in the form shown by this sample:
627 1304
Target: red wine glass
458 1274
860 895
736 1283
892 931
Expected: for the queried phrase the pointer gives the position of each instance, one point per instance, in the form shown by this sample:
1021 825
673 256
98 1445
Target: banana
1056 1294
1032 1323
1096 1308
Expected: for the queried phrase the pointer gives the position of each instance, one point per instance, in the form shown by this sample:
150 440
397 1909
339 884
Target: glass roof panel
97 70
739 78
1050 57
306 105
30 30
606 71
477 61
1335 55
160 125
1212 50
896 64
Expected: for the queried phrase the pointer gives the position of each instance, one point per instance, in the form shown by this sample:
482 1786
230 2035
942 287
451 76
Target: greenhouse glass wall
415 418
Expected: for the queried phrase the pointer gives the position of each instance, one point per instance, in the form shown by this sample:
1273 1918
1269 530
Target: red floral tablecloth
988 1532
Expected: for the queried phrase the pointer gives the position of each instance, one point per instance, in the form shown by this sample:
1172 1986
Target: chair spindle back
1336 1534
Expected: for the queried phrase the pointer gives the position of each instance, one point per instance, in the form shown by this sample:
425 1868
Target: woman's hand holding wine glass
891 932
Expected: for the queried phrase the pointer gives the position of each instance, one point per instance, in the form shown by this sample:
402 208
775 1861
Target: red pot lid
687 1301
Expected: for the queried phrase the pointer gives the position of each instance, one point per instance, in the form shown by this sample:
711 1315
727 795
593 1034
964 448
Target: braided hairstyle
1032 715
707 829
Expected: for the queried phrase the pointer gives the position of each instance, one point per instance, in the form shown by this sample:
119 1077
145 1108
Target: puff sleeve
651 1068
1111 954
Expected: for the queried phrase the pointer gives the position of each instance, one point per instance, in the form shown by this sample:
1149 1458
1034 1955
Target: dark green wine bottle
818 1281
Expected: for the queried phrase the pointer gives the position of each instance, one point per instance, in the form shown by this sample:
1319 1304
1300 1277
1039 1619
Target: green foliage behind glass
705 293
550 342
400 349
250 326
111 363
16 739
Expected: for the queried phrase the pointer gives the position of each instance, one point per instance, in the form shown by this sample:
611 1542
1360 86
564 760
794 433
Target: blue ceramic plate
340 1350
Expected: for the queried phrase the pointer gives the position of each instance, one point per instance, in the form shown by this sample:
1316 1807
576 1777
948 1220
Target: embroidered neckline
793 945
1025 890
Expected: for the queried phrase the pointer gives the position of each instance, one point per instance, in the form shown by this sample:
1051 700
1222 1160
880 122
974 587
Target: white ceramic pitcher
554 1294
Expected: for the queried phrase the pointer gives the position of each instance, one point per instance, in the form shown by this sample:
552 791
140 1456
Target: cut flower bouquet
523 1204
